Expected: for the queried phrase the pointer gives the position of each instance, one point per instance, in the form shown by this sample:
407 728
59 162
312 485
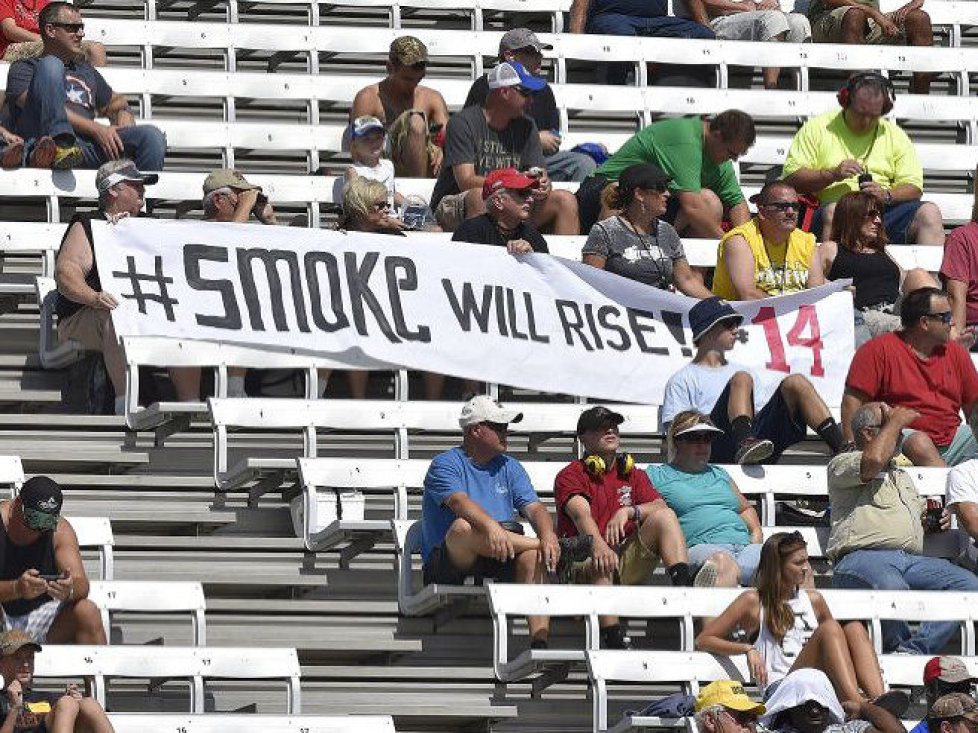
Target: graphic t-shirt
605 495
86 90
470 139
779 269
647 258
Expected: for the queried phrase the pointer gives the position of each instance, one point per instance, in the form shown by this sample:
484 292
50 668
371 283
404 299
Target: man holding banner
712 385
471 496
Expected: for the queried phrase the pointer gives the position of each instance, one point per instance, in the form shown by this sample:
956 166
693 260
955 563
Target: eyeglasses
944 316
783 206
70 27
519 193
498 427
39 521
873 215
811 707
524 92
382 206
742 717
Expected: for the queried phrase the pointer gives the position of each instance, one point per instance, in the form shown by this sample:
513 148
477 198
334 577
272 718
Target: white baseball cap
485 409
512 74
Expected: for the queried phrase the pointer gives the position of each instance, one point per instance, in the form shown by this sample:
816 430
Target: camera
865 177
259 208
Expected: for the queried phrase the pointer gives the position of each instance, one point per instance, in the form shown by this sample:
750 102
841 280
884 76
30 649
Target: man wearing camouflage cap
942 676
415 115
23 710
953 713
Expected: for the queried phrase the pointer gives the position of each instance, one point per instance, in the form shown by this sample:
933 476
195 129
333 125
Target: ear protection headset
846 93
595 465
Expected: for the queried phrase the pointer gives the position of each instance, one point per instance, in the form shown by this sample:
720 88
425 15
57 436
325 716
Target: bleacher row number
807 319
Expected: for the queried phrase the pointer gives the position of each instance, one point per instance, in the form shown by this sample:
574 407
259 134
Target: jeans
45 115
899 570
569 166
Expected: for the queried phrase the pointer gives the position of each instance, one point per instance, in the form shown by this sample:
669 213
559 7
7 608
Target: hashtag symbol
137 279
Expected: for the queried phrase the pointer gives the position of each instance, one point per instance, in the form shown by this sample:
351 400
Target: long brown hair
850 213
777 613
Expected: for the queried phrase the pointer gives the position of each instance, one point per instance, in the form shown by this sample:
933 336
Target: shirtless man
415 115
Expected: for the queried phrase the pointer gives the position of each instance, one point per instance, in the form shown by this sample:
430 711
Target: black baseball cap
42 495
594 417
642 175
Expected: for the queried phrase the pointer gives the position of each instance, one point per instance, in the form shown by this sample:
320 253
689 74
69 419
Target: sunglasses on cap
39 521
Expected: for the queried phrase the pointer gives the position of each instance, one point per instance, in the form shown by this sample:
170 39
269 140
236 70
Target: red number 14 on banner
807 320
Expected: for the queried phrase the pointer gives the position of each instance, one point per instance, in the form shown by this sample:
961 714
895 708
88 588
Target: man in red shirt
605 496
923 369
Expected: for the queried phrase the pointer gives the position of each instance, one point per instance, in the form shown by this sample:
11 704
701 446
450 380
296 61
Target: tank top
65 307
778 657
875 276
15 559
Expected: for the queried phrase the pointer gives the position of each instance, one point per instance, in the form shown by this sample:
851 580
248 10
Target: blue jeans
898 570
747 557
569 166
44 114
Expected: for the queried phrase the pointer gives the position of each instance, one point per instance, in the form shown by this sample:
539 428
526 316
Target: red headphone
845 94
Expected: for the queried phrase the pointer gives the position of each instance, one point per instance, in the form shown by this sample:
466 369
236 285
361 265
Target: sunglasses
498 427
39 521
70 27
701 438
382 206
783 206
524 92
944 317
741 717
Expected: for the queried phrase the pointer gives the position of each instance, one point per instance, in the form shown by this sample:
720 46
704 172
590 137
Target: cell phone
935 510
51 578
865 178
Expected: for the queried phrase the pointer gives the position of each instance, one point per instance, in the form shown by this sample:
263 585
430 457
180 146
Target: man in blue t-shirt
472 495
54 101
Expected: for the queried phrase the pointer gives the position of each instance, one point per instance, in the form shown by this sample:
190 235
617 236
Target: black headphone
595 465
846 93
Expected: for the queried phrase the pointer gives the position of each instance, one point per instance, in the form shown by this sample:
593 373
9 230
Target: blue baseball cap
512 74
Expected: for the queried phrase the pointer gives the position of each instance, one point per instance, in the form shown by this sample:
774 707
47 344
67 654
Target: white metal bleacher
100 664
249 723
151 597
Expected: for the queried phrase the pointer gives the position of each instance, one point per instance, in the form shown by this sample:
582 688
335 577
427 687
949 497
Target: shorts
772 422
37 623
897 219
450 212
86 326
636 563
438 568
961 448
827 28
747 557
762 25
397 139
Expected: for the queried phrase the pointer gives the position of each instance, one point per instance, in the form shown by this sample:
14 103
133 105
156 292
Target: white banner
474 311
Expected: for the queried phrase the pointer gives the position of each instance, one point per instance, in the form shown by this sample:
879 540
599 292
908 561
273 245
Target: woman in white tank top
793 627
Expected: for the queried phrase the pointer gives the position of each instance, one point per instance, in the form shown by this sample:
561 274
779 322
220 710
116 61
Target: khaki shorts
827 28
397 139
86 326
636 563
451 211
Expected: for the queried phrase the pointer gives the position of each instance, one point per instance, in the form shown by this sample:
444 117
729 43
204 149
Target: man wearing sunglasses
805 702
724 707
472 495
55 99
498 134
922 368
944 676
508 197
768 255
43 585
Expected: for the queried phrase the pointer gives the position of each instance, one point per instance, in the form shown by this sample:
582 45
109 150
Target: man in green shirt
696 154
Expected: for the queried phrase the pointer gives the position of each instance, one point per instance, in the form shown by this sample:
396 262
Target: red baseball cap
946 669
505 178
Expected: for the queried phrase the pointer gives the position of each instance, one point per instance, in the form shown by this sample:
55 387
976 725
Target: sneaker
42 156
753 450
849 447
707 576
67 158
12 156
572 549
894 702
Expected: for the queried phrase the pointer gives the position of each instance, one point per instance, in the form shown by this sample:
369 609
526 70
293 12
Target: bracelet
638 514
